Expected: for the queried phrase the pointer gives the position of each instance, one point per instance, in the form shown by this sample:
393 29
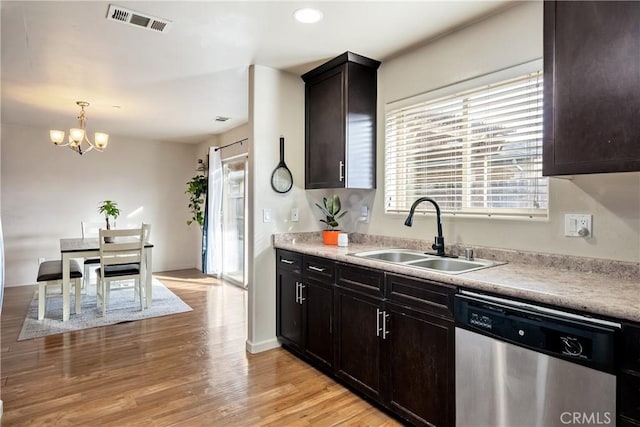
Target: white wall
276 106
507 39
47 191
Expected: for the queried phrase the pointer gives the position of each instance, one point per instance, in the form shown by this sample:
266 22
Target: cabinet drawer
322 269
421 294
288 260
360 279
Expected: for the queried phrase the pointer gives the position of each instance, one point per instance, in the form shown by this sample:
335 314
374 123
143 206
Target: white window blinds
476 152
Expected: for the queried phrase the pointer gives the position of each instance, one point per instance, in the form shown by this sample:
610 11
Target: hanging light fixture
77 136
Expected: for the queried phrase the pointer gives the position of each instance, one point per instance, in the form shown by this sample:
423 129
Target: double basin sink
417 259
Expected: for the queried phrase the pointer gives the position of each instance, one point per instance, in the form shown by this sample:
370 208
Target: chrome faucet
438 246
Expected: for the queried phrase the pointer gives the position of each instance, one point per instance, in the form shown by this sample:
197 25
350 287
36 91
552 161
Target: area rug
121 308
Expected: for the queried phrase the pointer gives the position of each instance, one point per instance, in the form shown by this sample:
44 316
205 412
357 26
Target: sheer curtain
213 257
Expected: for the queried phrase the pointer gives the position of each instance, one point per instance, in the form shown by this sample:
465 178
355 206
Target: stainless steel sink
417 259
451 265
394 255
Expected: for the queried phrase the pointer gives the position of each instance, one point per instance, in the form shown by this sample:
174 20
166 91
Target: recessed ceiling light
307 15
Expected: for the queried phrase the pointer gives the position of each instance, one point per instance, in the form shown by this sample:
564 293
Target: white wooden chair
120 260
50 274
90 229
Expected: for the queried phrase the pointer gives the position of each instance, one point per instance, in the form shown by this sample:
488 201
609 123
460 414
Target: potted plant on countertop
331 210
110 210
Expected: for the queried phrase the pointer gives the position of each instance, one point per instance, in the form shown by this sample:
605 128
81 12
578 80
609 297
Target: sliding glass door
234 210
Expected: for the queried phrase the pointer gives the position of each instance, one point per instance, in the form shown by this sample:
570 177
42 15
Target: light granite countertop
600 287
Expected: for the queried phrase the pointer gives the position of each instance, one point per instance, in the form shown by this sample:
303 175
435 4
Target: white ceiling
170 86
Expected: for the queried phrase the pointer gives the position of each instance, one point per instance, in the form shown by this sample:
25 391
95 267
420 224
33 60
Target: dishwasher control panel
555 335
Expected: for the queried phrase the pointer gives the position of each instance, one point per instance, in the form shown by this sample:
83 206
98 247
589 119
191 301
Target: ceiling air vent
131 17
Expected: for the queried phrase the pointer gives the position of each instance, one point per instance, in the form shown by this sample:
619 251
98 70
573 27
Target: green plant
197 190
331 210
110 209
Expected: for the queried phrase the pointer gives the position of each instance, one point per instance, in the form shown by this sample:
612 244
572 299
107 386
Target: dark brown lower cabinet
358 341
317 302
304 301
387 336
629 377
418 366
289 309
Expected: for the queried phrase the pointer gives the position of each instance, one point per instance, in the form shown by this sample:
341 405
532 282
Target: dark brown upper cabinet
592 87
340 123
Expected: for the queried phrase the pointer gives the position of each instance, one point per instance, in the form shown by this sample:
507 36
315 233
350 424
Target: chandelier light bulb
101 140
76 135
57 136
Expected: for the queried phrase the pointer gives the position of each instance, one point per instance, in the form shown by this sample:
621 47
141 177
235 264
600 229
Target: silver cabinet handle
385 316
302 298
378 322
298 293
341 171
314 268
286 261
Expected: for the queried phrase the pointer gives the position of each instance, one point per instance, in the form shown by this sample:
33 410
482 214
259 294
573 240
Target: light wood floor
187 369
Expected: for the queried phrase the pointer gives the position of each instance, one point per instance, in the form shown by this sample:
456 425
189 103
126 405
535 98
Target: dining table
88 247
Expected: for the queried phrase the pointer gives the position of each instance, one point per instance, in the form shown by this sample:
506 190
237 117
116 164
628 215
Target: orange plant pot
330 237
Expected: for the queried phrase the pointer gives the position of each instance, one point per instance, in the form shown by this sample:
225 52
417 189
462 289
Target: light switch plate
266 215
364 213
577 225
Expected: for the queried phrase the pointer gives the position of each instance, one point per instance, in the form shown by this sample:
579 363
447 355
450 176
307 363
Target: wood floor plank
188 369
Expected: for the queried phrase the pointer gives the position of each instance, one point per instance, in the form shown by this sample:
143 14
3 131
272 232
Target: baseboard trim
261 346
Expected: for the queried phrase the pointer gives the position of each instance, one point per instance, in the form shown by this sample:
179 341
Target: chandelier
78 136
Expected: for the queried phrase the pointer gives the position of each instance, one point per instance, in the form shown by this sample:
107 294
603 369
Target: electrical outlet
295 217
577 225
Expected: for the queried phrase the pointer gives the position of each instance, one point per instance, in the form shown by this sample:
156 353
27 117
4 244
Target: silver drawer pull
341 171
302 298
385 317
314 268
286 261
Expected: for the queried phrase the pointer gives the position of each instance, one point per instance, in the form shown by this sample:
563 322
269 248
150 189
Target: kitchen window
476 151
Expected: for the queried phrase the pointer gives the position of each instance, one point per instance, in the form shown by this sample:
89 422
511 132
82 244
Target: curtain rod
233 143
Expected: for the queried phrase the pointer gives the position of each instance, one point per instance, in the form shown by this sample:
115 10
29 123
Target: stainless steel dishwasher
519 364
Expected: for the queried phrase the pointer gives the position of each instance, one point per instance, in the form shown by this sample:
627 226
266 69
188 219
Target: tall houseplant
197 190
331 211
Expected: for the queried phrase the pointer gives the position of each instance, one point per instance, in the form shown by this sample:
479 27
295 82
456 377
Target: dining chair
90 229
120 259
49 275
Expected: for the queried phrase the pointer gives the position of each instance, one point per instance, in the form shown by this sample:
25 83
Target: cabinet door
288 308
592 76
317 303
325 130
419 366
358 341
